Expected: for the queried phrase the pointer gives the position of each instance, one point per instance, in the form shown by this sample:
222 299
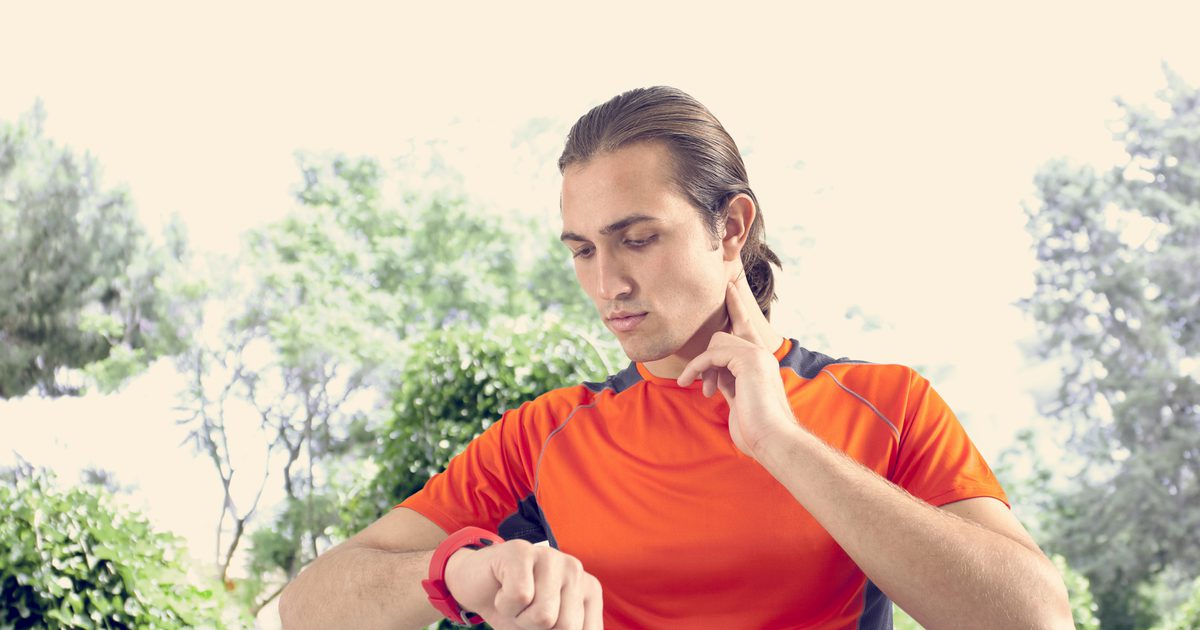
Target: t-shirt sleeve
482 485
937 462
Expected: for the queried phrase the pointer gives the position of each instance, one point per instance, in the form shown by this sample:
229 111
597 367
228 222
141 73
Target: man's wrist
437 586
452 568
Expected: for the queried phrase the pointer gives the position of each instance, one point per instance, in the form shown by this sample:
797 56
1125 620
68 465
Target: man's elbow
287 605
1058 617
1055 604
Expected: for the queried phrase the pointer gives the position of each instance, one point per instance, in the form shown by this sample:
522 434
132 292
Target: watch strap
435 586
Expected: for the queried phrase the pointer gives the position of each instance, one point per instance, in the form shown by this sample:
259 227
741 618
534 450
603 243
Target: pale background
891 148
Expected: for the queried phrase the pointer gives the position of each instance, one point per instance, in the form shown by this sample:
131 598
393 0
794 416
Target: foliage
1025 471
1187 615
78 275
277 553
316 334
455 384
73 559
1118 300
1083 606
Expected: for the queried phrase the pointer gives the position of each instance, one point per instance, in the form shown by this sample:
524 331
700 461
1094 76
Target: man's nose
614 281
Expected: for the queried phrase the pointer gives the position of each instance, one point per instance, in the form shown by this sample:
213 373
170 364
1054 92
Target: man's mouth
625 322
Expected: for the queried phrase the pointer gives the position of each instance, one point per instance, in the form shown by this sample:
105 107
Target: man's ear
738 219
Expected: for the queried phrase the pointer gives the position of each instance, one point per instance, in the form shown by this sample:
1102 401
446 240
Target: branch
312 489
258 606
238 528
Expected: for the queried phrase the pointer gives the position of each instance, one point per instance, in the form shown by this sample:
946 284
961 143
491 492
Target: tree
1187 615
77 273
318 324
1118 301
73 559
457 383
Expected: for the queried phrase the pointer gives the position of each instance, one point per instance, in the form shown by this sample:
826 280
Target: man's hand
516 585
740 365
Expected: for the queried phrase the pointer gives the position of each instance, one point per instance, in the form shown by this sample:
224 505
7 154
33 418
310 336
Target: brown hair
708 167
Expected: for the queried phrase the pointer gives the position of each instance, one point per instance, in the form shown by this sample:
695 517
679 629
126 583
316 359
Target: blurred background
265 268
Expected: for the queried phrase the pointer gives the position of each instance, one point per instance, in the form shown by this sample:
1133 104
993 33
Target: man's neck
672 366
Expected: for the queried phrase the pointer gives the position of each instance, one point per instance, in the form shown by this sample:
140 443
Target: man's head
659 212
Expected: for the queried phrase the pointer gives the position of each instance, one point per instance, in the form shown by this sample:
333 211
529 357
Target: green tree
1083 605
1118 301
1187 615
319 317
77 272
73 559
457 383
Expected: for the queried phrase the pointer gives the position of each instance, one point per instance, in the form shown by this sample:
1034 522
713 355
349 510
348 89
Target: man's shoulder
811 365
889 391
558 399
555 405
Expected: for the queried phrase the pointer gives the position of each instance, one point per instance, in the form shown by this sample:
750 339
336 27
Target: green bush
72 559
1187 615
1079 592
456 383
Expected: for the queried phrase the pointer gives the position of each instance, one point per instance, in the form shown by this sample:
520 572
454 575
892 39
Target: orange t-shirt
639 479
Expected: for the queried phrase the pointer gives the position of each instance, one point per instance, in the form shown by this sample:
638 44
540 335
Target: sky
890 145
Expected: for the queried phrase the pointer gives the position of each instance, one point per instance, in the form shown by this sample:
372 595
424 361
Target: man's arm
372 580
969 565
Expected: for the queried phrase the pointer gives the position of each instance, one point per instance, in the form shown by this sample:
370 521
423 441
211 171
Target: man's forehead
611 188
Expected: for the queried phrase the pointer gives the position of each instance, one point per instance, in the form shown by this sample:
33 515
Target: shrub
72 559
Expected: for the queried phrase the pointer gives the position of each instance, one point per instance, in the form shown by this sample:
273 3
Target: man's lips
626 323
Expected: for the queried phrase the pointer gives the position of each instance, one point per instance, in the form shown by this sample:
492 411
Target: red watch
435 586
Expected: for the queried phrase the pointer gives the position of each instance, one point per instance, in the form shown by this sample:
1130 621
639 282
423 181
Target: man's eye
640 243
582 252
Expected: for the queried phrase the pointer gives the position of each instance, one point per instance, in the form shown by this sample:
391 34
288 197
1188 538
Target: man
727 478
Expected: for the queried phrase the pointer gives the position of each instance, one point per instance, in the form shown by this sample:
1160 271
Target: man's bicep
401 529
994 515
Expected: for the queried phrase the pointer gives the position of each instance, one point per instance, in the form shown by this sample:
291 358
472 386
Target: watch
435 586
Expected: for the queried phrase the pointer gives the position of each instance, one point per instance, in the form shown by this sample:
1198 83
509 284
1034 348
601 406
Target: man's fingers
548 575
516 585
593 606
727 384
540 588
734 306
572 612
713 357
710 382
717 357
739 300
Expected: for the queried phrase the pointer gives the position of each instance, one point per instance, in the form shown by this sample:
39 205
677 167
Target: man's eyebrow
614 227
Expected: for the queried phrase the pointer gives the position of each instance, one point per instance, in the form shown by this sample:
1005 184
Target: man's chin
643 354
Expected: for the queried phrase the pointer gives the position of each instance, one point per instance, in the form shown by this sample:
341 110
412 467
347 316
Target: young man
728 478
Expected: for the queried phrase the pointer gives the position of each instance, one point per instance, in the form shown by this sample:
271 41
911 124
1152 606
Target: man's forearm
944 570
354 586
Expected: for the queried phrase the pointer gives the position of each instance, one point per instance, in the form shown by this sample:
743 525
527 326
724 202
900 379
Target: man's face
641 249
